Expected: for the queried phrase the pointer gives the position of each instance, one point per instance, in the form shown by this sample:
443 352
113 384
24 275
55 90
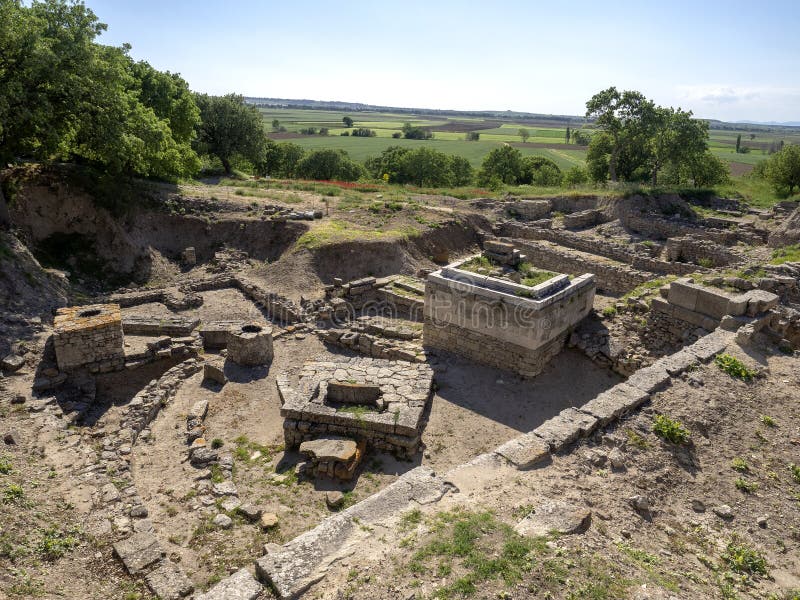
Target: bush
472 136
670 430
397 135
411 132
308 131
748 487
503 164
609 311
734 367
329 164
362 132
741 559
576 175
217 443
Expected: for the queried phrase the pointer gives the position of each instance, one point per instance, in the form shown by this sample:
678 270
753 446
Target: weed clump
734 367
744 560
670 430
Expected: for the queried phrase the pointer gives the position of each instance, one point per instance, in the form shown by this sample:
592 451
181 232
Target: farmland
547 136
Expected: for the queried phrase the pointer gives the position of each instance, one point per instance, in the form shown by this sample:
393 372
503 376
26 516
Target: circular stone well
250 345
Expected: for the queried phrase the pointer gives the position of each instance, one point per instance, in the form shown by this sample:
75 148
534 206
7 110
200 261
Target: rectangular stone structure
500 323
89 337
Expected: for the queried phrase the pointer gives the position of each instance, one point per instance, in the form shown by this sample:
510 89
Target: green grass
745 485
740 464
335 231
786 254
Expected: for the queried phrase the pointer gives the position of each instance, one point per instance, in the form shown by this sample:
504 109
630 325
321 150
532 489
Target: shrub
795 471
742 559
748 487
363 132
609 311
768 421
739 464
397 135
217 443
5 466
13 494
576 175
734 367
670 430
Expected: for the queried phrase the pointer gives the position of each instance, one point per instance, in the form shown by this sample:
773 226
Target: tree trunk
612 164
655 176
226 164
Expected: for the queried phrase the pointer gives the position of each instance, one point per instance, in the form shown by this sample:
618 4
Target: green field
543 141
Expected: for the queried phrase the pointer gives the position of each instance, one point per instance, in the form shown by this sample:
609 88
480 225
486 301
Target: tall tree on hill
625 117
566 137
348 121
230 129
676 138
524 134
738 143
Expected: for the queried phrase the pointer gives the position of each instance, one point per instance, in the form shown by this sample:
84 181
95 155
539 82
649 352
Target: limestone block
139 552
214 370
239 586
250 345
168 582
555 516
683 293
525 451
650 379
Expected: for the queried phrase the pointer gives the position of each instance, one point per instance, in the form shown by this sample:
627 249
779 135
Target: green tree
783 169
462 171
348 121
280 159
503 164
276 125
524 134
329 164
425 167
676 138
567 136
411 132
472 136
575 175
625 117
230 129
738 143
705 170
581 138
539 170
388 163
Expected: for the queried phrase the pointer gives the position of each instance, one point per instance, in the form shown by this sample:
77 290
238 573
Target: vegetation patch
734 367
744 560
335 231
670 430
786 254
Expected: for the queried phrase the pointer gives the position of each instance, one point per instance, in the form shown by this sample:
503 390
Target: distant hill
509 115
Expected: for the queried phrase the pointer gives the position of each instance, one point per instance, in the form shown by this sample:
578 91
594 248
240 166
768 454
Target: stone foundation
377 401
502 324
89 337
250 345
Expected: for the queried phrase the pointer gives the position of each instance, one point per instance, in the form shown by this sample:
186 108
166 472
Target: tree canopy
230 129
637 140
62 95
783 169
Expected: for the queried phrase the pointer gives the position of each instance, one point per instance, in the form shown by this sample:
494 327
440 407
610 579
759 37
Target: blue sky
730 60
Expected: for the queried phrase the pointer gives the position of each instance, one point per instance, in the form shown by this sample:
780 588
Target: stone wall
584 218
659 227
626 254
611 276
700 251
89 337
499 329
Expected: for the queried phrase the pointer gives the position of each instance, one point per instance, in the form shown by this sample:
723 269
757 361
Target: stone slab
612 404
650 379
555 517
139 552
168 582
239 586
330 448
525 451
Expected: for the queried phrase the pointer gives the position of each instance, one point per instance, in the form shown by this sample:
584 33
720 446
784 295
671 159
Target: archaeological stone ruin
270 403
499 322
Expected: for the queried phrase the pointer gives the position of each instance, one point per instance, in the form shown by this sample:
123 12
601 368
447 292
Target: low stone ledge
525 451
300 563
612 404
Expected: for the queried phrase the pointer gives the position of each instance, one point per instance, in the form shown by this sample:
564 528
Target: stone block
214 370
239 586
139 552
650 379
525 451
683 293
168 582
759 301
712 303
612 404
